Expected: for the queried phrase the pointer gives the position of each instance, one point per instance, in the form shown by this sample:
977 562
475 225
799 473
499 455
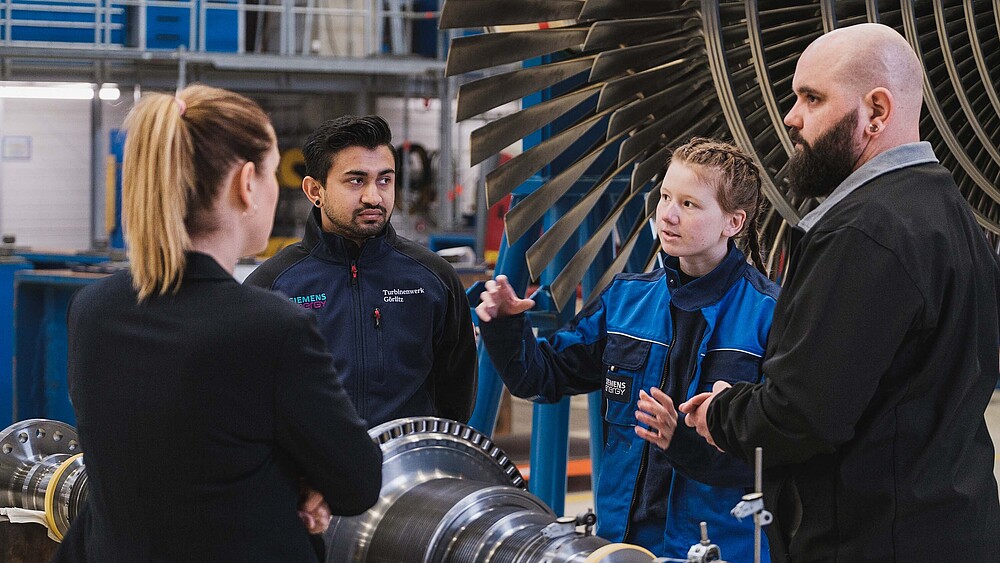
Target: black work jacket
881 360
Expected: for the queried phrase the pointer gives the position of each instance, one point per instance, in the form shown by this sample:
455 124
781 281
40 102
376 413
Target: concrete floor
577 502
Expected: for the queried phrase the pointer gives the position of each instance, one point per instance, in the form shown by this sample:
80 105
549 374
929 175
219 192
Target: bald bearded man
883 354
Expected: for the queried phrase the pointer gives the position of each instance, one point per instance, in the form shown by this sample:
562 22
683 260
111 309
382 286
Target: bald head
869 56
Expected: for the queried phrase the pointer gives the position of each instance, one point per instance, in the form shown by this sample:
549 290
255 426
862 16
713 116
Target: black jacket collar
201 266
710 288
335 248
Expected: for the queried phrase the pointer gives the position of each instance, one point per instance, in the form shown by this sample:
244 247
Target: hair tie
180 104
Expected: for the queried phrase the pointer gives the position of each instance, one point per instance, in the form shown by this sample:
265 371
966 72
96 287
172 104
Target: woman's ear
734 223
244 185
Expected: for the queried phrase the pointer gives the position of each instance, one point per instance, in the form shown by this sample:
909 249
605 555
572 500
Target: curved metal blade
610 34
481 13
514 172
541 253
491 49
528 211
623 255
611 9
645 83
671 102
642 57
496 135
493 91
564 286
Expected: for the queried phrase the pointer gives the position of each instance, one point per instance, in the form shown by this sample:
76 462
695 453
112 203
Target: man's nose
792 117
370 195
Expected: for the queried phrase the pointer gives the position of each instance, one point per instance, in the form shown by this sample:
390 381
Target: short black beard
355 231
817 170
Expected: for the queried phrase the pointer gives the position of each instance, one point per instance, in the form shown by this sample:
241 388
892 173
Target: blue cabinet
41 298
169 27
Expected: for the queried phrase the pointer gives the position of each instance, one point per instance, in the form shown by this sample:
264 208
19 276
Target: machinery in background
449 495
42 477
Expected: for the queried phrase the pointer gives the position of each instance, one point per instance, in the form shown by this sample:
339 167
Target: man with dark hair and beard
883 354
394 314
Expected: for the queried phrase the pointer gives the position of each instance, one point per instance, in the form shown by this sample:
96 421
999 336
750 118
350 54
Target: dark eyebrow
365 174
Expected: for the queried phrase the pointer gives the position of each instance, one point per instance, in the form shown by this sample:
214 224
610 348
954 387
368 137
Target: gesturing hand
499 300
656 410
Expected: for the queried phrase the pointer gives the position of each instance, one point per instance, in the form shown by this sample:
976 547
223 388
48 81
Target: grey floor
579 501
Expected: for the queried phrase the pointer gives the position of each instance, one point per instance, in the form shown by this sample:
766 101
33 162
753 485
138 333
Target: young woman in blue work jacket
651 341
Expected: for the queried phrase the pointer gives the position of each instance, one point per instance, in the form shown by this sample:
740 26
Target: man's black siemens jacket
394 315
882 358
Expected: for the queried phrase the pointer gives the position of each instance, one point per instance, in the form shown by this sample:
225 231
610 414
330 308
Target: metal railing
340 28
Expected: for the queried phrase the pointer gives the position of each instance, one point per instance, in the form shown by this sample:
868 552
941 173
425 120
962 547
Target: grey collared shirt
895 158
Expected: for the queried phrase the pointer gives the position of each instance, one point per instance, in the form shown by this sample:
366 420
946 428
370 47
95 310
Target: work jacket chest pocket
730 365
625 360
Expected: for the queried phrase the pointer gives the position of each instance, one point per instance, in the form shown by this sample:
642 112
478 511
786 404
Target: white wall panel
45 198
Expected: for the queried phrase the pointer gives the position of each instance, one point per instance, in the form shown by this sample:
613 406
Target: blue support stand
550 422
510 262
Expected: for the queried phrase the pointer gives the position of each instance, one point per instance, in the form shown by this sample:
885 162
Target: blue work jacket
641 328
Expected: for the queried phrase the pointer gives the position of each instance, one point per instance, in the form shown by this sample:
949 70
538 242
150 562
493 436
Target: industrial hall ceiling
635 78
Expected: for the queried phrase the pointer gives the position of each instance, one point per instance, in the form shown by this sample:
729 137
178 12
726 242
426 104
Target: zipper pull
378 318
354 273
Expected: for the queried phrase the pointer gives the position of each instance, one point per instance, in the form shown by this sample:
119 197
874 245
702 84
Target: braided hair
737 181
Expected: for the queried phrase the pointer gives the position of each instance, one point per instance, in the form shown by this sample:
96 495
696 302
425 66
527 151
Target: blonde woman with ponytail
213 424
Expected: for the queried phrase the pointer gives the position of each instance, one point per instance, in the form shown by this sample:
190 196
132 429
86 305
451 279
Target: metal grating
659 72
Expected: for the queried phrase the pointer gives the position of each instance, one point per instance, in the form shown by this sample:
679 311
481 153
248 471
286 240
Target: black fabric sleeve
837 328
545 370
316 424
455 361
696 459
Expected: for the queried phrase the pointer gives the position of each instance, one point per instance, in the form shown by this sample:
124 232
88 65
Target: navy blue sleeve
544 370
696 459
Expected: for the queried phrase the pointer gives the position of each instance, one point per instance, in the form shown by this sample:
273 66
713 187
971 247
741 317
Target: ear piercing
317 203
873 128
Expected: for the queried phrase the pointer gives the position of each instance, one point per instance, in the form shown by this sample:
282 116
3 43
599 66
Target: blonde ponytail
157 177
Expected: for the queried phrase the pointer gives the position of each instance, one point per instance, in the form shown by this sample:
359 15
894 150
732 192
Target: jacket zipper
377 316
360 384
641 475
